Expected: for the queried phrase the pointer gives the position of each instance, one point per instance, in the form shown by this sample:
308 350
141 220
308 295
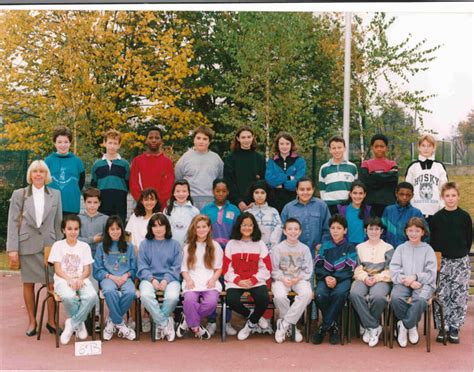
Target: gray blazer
32 239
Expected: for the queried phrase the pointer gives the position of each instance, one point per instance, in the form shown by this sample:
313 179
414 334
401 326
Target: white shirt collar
37 191
422 158
104 157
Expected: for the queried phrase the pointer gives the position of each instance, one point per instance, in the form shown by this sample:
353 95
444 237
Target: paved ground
259 352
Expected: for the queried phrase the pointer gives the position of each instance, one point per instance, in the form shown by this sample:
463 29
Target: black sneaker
453 336
441 336
334 336
318 336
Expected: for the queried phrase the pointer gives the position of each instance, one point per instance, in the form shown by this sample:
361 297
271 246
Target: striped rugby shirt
335 181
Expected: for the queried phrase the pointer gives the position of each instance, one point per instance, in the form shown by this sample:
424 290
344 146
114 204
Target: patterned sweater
373 260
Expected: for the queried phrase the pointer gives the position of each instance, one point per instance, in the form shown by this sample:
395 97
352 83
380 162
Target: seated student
223 215
247 267
334 266
380 175
396 216
292 269
413 271
356 211
115 267
372 281
201 269
72 261
159 266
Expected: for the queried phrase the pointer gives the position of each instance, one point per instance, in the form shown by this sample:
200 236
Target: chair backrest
47 251
438 261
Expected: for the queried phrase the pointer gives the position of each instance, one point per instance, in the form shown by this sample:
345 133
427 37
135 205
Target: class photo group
246 228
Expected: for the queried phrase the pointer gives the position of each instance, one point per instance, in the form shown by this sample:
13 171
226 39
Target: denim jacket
114 263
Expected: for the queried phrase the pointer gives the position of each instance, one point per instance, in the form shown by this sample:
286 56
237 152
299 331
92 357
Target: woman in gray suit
34 221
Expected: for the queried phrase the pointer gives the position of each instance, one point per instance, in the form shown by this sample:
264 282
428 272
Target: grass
466 185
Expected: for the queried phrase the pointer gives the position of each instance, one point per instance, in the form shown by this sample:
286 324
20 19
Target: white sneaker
364 332
169 330
298 334
264 326
229 330
280 332
109 330
159 333
361 330
413 335
402 334
203 333
146 325
245 332
374 334
67 332
131 323
182 327
211 328
126 332
81 331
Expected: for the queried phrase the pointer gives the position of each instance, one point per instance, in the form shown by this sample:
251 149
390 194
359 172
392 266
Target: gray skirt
32 269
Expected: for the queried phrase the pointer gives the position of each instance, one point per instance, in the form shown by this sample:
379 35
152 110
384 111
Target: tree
466 128
93 71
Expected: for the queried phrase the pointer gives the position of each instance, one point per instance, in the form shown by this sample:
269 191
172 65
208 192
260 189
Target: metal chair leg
40 327
138 318
223 318
37 297
56 320
428 324
349 322
101 320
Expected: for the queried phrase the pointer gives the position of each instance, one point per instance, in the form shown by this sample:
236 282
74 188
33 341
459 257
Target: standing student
337 175
334 266
380 175
451 234
284 170
110 175
312 213
67 171
292 269
72 261
396 216
223 215
243 166
199 166
159 264
115 267
427 176
152 169
267 217
247 267
180 210
201 269
413 271
356 211
372 282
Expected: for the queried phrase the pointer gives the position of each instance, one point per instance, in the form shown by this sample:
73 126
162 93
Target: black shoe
52 330
453 336
334 336
441 337
31 333
318 336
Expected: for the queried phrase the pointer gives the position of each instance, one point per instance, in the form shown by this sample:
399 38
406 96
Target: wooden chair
57 302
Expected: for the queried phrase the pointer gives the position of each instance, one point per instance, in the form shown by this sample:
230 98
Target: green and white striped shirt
335 181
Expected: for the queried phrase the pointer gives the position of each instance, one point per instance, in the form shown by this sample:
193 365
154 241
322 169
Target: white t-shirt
72 258
200 274
137 227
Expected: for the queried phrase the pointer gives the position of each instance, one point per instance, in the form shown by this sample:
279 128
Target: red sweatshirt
150 170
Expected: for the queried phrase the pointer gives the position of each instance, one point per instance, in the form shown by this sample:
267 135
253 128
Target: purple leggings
195 310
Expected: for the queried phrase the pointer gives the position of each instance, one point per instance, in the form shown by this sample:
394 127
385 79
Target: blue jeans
77 304
331 300
148 296
118 300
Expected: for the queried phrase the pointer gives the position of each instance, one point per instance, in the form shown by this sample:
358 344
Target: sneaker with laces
211 328
67 332
202 333
126 332
413 335
81 331
401 334
453 336
365 334
159 333
109 330
229 330
131 323
169 330
245 332
318 336
374 334
146 325
280 332
298 334
334 335
182 327
264 326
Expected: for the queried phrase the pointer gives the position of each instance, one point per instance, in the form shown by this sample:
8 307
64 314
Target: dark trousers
331 300
260 296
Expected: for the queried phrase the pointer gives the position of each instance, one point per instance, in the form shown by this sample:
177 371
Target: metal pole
347 79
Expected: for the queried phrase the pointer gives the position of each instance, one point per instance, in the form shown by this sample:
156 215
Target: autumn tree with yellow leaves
91 71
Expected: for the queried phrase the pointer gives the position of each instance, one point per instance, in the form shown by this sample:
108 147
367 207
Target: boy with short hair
110 175
337 175
152 169
334 267
292 269
451 234
199 166
380 175
427 176
67 171
396 216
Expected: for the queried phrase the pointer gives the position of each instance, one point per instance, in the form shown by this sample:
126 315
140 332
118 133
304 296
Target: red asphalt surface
259 352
